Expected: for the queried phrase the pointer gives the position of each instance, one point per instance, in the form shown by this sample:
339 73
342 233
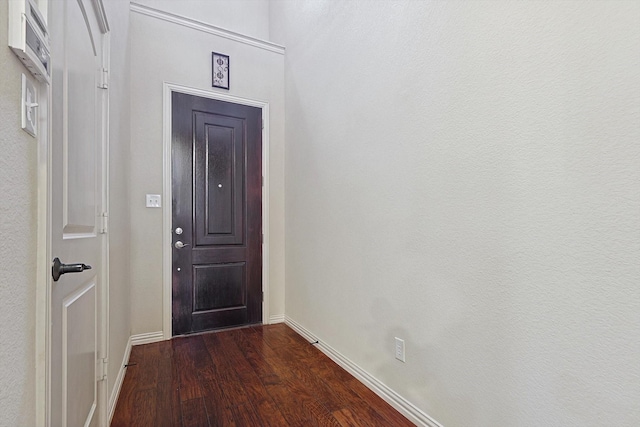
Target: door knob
58 268
180 245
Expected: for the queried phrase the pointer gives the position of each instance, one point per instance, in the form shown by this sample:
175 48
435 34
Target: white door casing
77 180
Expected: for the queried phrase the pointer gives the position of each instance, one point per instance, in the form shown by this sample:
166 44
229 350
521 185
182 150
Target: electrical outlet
400 349
154 201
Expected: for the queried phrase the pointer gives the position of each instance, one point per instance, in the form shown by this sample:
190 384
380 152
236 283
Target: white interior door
77 204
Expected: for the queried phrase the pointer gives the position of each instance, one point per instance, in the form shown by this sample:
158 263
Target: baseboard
276 319
113 399
147 338
133 340
405 407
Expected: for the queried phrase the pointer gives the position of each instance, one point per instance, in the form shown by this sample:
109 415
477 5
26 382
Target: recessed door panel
219 167
80 127
219 286
79 356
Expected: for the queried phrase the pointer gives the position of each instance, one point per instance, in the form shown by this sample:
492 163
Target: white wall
119 217
466 176
18 229
248 17
166 52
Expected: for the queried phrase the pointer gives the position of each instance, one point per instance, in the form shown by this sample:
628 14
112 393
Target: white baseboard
133 340
276 319
405 407
147 338
113 399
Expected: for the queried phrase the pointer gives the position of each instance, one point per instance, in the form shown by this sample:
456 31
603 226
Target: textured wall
166 52
18 204
466 176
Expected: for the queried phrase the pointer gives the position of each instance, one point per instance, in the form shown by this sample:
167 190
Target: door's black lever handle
58 268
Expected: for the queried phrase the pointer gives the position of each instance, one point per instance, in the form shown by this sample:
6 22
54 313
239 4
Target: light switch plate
154 201
29 106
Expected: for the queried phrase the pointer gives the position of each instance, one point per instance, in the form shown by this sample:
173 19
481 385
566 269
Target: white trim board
147 338
206 28
405 407
115 393
279 318
168 89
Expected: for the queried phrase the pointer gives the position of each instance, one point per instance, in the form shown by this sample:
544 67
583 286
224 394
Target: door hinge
104 223
263 180
101 369
262 238
262 296
262 123
104 79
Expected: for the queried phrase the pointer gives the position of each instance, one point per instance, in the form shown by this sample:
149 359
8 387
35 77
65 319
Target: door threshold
213 331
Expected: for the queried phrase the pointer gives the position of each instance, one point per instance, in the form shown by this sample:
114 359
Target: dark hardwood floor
256 376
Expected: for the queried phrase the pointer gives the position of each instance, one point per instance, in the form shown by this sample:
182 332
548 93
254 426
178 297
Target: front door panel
217 203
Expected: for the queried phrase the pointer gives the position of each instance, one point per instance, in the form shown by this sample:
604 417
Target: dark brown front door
217 214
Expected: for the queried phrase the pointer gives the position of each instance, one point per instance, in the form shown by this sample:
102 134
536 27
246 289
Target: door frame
44 252
167 212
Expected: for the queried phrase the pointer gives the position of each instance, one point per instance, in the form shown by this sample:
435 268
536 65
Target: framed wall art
220 70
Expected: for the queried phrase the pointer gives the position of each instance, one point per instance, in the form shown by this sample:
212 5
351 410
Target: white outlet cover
400 349
154 201
29 107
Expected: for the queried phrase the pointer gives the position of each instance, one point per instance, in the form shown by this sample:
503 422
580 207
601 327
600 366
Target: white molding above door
206 28
168 89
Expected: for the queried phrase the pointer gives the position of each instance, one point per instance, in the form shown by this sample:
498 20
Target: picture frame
220 70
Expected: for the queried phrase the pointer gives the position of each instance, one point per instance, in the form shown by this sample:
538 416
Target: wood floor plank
245 415
126 399
277 380
220 414
327 377
253 385
332 393
194 413
254 354
191 357
299 358
346 418
226 380
144 412
290 405
169 410
372 400
149 366
319 413
255 376
297 362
